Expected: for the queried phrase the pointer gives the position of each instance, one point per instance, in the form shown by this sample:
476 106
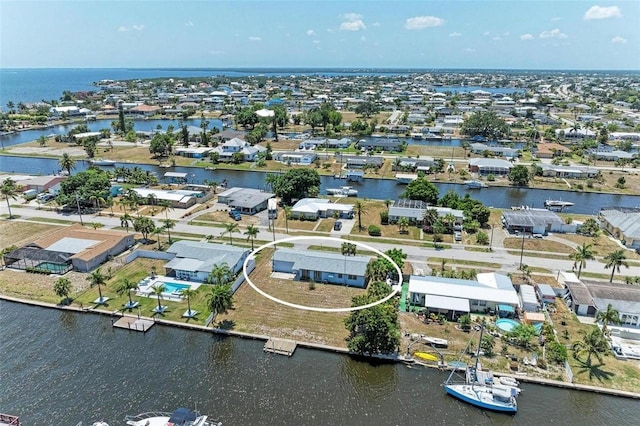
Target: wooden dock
133 323
280 346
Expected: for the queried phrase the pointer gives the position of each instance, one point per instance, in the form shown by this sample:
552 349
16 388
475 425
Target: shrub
384 218
491 177
374 231
556 352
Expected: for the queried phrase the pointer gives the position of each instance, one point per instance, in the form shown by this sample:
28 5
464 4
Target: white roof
265 113
313 205
162 195
72 245
445 302
490 287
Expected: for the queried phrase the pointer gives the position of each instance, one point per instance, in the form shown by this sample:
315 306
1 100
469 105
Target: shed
546 293
534 317
529 299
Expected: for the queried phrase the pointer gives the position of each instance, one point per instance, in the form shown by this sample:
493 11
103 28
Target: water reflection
68 320
369 380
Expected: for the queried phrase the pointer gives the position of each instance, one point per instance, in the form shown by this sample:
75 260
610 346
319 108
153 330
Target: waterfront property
613 155
178 198
422 164
535 221
73 247
379 144
361 162
315 208
498 151
194 260
331 268
246 200
490 166
172 287
572 172
454 297
295 157
550 150
623 224
414 211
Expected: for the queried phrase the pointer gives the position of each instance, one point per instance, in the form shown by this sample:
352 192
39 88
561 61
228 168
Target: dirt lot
14 232
537 245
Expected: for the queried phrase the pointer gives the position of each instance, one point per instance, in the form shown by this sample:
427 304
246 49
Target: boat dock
134 323
9 420
280 346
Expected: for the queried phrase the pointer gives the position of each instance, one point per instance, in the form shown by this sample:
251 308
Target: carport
447 305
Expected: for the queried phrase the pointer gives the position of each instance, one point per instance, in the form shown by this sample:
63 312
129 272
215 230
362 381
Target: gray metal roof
624 298
323 261
245 197
627 222
204 256
530 217
72 245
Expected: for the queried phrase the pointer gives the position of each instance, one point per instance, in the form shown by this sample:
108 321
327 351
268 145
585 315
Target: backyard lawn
18 233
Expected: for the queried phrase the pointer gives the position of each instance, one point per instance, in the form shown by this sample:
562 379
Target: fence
149 255
251 265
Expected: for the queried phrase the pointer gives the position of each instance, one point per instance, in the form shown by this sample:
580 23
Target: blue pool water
506 324
170 287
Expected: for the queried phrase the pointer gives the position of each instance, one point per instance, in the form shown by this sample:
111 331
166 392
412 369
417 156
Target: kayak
425 356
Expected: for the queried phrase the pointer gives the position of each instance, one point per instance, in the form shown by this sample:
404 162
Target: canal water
62 368
499 197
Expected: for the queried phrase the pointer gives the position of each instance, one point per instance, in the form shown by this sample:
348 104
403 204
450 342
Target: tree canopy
295 183
421 189
519 175
92 182
486 124
367 109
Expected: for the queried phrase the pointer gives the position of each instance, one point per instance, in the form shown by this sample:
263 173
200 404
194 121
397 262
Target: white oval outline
312 308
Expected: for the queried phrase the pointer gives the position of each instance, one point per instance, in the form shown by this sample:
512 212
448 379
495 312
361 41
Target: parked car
457 236
235 214
537 235
43 198
337 226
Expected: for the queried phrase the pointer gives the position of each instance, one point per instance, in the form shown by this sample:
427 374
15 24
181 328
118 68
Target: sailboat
478 387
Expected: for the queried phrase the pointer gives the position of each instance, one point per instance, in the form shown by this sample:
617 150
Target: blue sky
511 34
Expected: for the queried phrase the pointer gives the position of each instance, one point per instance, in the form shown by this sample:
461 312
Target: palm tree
581 255
124 221
220 300
221 274
252 233
593 343
67 163
430 217
614 261
188 293
359 209
403 223
126 286
230 228
448 220
157 231
96 199
9 190
287 215
97 279
387 203
158 289
611 315
167 207
168 225
62 288
152 199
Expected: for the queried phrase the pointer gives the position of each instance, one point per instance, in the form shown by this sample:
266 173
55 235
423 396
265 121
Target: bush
556 352
374 231
384 218
491 177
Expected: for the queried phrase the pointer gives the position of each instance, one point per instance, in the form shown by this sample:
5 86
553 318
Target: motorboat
478 387
180 417
476 184
435 341
557 204
344 191
102 162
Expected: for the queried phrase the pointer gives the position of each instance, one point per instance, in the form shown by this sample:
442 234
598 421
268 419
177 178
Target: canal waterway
60 367
499 197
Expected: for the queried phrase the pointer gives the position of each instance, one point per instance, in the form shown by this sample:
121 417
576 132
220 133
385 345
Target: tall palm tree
403 223
125 219
287 215
610 315
158 289
157 231
167 206
387 203
96 199
230 228
220 300
9 190
593 343
169 224
97 279
581 255
188 293
221 274
359 209
430 217
126 286
614 261
252 233
67 163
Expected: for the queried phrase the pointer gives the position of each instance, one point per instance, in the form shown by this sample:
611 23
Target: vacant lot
18 233
537 245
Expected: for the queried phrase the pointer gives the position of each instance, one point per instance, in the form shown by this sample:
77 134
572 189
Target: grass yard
536 244
439 260
19 233
326 225
223 217
303 225
602 244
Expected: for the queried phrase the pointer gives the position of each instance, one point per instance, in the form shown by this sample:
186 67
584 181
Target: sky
487 34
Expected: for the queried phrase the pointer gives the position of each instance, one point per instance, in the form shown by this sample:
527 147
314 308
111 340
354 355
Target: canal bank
321 347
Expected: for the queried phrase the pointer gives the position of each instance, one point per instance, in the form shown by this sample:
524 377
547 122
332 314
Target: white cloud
602 12
527 37
497 38
188 24
420 22
310 32
555 33
330 30
122 29
351 16
618 40
356 25
254 38
455 34
138 27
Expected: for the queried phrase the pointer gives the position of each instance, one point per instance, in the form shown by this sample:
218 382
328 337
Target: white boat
476 184
180 417
435 341
557 204
478 387
345 191
102 162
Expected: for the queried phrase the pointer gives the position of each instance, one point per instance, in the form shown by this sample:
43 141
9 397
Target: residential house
499 151
623 223
380 144
613 155
194 260
249 152
550 150
487 166
315 208
572 172
246 200
295 157
322 267
535 221
414 211
182 199
145 110
362 161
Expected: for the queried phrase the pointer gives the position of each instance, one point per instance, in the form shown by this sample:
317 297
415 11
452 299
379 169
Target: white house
195 260
295 157
414 211
314 208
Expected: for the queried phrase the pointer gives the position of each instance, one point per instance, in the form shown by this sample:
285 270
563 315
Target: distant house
326 143
380 144
315 208
360 162
487 166
414 211
295 157
66 110
73 247
50 184
194 260
145 110
246 200
550 150
194 152
613 155
423 164
322 267
535 221
573 172
623 223
229 134
499 151
229 148
178 198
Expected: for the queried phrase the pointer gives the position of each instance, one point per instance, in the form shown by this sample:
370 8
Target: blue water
170 287
506 324
467 89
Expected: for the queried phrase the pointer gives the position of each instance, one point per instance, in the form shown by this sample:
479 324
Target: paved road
415 255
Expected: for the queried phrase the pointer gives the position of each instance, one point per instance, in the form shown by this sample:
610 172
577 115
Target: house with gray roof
414 211
322 267
194 260
362 161
535 221
623 224
572 172
489 166
246 200
380 144
500 151
613 155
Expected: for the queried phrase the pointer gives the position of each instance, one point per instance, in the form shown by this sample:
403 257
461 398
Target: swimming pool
506 324
174 288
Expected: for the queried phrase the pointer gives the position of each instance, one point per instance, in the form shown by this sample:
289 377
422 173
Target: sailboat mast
479 344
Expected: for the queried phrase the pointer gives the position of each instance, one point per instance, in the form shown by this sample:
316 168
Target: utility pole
78 204
491 240
521 253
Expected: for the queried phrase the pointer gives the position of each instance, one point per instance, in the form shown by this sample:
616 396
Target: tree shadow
595 371
227 324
